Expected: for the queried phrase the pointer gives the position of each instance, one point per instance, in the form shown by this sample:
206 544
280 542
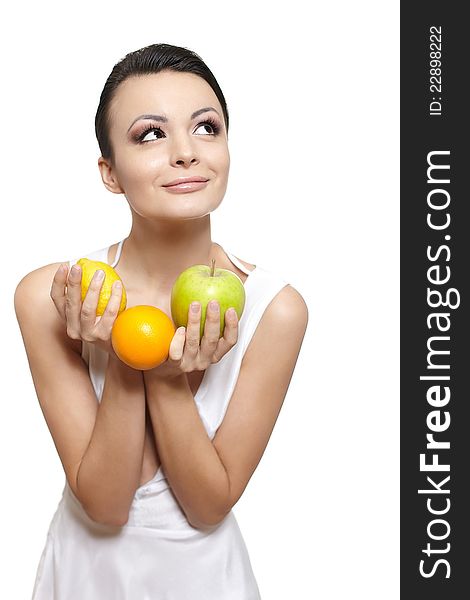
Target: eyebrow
165 120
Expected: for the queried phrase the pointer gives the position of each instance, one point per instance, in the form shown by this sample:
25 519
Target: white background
313 194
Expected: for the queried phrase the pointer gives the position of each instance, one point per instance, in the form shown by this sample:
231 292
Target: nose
183 152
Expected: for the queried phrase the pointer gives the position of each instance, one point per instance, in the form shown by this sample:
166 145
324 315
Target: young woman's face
164 127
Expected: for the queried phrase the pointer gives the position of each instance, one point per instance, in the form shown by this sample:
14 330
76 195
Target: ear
107 175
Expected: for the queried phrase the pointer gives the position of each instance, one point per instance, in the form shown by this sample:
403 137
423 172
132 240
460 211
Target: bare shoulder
288 308
289 301
281 328
34 288
32 298
287 311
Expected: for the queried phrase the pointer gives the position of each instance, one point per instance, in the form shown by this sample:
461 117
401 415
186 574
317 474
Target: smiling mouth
186 186
184 180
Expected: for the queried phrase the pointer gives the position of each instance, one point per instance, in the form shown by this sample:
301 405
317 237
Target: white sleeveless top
157 554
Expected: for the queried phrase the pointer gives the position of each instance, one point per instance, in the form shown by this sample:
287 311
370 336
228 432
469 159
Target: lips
183 180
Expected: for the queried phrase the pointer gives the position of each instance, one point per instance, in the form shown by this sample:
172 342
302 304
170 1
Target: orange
141 336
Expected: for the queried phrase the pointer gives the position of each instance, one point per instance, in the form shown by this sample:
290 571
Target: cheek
221 160
140 170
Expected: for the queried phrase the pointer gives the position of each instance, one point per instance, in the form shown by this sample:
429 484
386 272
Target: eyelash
209 121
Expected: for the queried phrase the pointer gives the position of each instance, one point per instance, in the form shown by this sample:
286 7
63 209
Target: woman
155 460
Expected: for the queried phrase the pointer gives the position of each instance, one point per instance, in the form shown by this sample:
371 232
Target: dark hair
151 59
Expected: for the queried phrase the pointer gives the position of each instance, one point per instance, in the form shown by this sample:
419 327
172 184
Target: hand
80 319
187 355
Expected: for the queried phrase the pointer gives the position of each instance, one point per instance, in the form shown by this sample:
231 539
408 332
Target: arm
88 435
109 472
192 466
208 477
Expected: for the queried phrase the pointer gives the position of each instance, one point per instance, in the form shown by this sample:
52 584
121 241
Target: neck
155 253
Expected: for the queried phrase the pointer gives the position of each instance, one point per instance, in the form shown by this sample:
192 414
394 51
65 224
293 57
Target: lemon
89 267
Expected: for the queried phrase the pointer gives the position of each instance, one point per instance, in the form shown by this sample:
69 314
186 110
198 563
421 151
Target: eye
150 130
211 127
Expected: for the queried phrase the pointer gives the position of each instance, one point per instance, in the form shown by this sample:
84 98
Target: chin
194 202
188 210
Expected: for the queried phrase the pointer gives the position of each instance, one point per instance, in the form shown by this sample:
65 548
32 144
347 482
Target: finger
58 289
230 336
177 345
191 347
90 302
106 321
73 301
211 335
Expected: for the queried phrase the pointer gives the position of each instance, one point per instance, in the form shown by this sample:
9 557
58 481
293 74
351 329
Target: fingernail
231 313
99 275
195 307
75 270
213 305
117 285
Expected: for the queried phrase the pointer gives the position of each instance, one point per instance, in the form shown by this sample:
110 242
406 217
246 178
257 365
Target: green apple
201 283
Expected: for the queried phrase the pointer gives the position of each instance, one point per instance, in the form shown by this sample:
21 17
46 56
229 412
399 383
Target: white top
157 554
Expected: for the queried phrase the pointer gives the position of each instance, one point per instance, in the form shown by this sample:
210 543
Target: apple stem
212 267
